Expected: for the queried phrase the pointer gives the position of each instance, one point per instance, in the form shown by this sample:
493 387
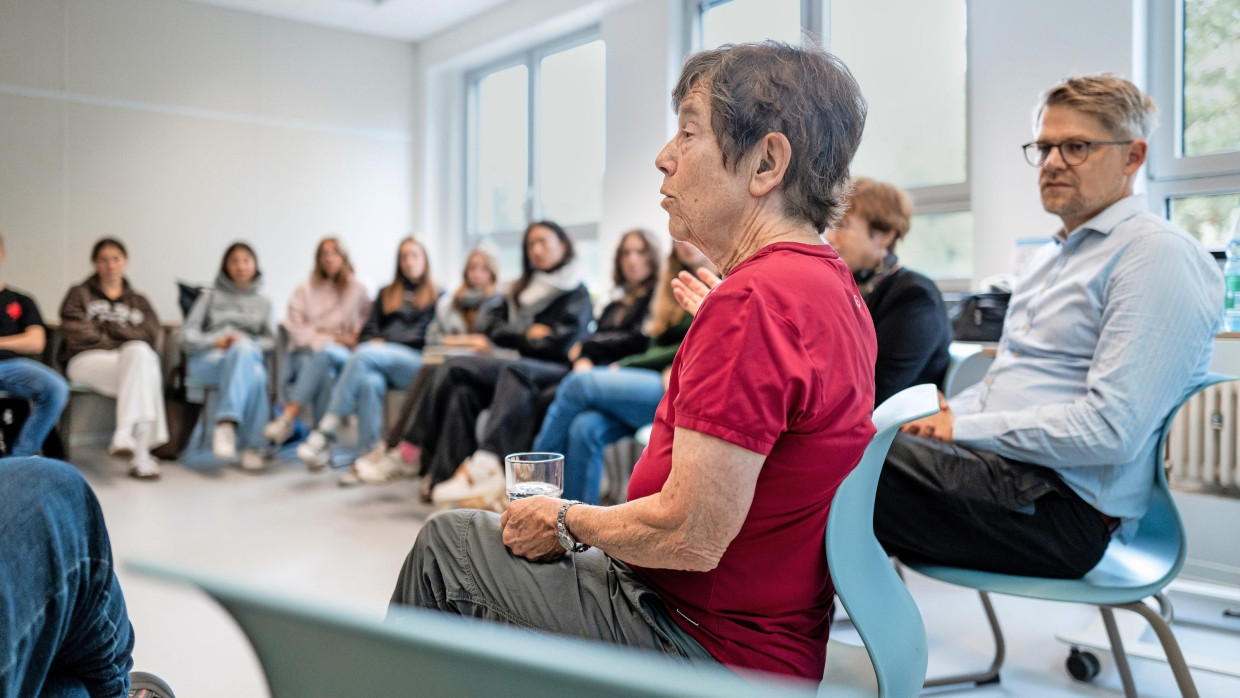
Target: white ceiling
409 20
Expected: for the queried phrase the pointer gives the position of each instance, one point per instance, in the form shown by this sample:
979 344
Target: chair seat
849 673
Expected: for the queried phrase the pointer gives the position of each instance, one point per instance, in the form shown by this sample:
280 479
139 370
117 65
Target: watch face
565 541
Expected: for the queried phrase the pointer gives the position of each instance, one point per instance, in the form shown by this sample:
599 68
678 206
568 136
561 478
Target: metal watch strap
566 539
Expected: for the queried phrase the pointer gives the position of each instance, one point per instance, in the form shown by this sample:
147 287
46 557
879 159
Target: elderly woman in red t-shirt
718 552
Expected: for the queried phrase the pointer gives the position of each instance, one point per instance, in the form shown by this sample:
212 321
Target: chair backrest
877 601
1156 553
968 365
310 651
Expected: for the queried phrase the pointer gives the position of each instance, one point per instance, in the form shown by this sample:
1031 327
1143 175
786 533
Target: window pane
915 131
1206 217
572 134
503 150
509 252
739 21
1211 76
939 245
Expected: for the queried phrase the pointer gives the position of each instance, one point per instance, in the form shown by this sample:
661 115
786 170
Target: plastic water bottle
1231 278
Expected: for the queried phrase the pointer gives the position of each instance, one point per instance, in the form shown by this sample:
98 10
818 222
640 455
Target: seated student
324 318
21 335
523 391
717 555
456 323
227 334
1110 326
388 356
457 314
64 628
594 408
544 313
910 321
110 331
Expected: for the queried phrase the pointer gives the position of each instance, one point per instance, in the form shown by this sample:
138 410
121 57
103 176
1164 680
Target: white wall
180 127
1017 50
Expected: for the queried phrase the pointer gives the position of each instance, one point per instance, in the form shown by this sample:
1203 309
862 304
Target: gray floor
301 534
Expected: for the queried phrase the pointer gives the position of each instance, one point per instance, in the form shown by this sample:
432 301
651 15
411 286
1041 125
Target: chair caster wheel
1083 666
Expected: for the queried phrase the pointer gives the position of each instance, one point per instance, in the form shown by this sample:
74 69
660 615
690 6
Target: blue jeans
63 618
370 371
47 392
240 374
312 375
591 411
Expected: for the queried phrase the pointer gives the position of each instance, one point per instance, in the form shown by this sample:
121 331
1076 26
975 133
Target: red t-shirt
780 361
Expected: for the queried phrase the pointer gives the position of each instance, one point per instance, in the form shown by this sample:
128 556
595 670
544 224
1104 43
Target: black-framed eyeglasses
1072 153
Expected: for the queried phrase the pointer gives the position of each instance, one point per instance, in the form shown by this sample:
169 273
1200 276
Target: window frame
1169 173
955 197
531 207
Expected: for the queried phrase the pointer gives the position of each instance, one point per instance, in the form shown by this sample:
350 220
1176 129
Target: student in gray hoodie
226 335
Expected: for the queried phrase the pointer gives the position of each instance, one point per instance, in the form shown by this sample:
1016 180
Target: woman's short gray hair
805 93
1120 106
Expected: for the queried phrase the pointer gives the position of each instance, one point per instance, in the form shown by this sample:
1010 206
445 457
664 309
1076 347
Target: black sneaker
144 685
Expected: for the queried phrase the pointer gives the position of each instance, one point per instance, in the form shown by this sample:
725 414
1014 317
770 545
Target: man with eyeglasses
1033 470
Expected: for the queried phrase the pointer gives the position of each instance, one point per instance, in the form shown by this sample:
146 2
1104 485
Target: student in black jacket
389 355
910 320
522 395
544 313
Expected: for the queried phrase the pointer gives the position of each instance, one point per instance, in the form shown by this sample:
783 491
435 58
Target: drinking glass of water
528 474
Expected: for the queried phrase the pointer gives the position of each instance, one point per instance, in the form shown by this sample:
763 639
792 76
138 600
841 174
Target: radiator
1204 441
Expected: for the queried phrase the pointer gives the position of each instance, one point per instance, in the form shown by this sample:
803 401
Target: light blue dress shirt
1108 329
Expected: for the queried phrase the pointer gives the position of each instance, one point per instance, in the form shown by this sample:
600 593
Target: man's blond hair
1120 106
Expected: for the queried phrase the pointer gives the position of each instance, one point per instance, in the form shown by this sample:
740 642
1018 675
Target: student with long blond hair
324 321
389 355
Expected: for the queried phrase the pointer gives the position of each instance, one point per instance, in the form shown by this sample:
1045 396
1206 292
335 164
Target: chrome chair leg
990 675
1117 650
1171 647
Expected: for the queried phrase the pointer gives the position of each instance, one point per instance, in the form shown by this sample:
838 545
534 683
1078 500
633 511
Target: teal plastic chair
1127 574
868 587
309 651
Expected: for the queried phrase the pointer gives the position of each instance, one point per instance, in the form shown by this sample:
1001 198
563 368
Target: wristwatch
561 530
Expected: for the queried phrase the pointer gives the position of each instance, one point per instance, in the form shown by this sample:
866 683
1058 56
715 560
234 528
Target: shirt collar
1104 222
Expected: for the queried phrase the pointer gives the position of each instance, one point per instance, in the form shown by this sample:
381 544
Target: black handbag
979 317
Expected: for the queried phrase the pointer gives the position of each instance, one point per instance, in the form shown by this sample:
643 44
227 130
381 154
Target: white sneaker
481 485
316 450
381 465
144 467
121 446
224 443
279 429
251 459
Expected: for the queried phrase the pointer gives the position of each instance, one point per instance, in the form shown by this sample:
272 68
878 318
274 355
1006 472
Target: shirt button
986 381
1025 328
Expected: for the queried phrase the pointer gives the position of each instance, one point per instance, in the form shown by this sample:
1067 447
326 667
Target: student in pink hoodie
323 320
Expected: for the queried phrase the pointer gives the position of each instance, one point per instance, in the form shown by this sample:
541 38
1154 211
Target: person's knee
138 348
573 387
246 348
54 392
443 532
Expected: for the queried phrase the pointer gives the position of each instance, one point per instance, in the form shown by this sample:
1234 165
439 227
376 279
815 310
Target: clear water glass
529 474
